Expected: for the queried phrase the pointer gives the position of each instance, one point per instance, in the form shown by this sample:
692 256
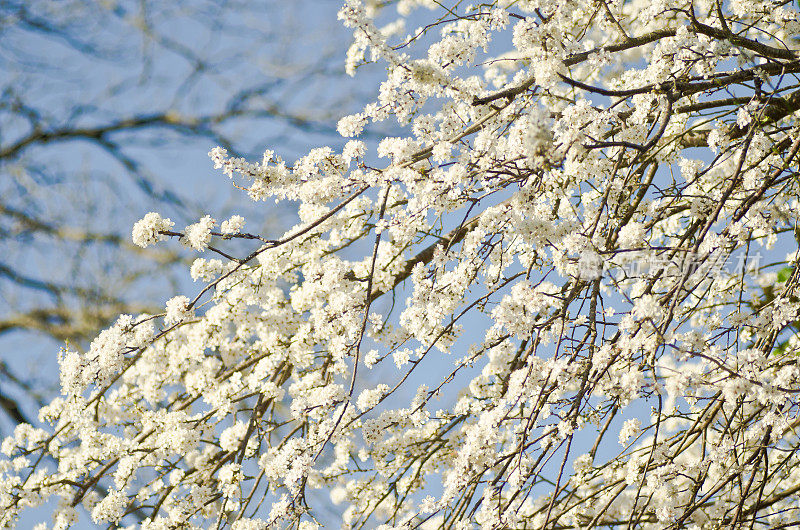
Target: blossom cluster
454 339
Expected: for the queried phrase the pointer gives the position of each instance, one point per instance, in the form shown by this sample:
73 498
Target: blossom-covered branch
567 298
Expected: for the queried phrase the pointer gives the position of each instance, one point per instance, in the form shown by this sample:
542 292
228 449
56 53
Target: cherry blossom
541 309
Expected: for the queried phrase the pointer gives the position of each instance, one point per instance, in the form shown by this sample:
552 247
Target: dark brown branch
753 45
577 58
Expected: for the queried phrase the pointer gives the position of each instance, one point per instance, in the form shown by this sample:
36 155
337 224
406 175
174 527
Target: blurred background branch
107 111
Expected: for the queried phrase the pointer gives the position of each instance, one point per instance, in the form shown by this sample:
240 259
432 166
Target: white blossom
542 268
198 235
178 310
147 231
233 225
629 428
